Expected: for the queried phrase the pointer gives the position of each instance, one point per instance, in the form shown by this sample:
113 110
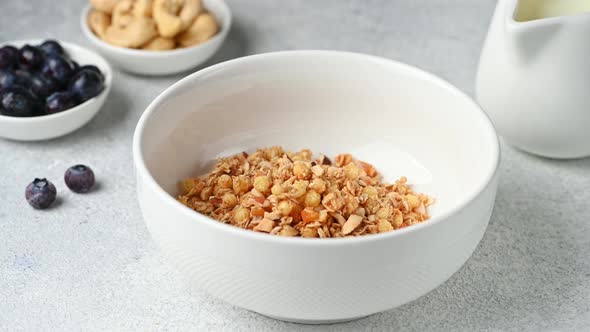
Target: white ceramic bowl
163 62
59 124
401 119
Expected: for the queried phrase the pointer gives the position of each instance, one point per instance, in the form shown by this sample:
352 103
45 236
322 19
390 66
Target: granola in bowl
292 194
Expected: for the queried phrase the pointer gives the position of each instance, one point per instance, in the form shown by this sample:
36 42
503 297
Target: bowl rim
154 54
141 168
78 108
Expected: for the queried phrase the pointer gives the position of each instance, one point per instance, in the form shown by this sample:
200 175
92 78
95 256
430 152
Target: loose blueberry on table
79 178
40 193
42 80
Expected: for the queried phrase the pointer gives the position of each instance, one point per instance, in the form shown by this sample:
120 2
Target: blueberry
8 57
51 47
42 86
91 68
58 68
19 102
30 57
23 78
40 193
74 64
7 78
86 84
59 102
79 178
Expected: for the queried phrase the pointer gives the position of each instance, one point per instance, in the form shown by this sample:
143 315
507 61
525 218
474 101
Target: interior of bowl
402 120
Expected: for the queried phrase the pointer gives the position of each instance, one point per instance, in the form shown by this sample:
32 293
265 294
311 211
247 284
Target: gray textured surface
89 264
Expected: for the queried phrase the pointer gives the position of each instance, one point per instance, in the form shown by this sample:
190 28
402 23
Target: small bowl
54 125
400 119
163 62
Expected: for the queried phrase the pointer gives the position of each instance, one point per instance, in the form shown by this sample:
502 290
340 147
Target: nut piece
309 232
230 200
123 13
368 168
203 28
351 171
382 213
277 189
285 208
343 159
288 231
301 170
333 201
317 170
318 185
312 199
98 22
165 14
262 184
299 188
105 6
384 226
142 8
224 181
190 10
241 184
353 222
241 215
413 201
398 219
139 31
265 225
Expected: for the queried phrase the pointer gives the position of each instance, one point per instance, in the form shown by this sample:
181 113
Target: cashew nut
139 31
105 6
165 15
152 24
160 44
122 13
98 22
203 28
142 8
190 10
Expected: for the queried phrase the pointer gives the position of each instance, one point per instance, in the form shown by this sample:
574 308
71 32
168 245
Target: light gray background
90 264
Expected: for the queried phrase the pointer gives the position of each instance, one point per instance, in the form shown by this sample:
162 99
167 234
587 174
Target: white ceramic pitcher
534 75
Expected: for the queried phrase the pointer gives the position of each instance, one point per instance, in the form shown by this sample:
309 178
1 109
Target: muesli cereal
291 194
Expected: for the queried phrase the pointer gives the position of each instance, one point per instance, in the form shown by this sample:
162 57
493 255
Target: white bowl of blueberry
49 89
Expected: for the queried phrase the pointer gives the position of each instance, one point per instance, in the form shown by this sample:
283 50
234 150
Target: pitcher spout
528 29
531 10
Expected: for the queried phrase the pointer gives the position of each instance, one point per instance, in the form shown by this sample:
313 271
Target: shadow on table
579 163
235 46
113 113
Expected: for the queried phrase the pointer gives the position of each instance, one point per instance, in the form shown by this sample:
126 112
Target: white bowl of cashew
163 62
